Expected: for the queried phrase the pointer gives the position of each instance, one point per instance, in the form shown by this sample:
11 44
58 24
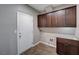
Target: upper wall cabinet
53 20
62 18
49 20
42 20
71 17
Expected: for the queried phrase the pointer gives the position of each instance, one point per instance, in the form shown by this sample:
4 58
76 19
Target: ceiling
42 7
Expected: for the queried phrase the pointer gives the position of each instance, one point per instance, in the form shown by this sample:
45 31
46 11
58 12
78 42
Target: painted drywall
8 27
77 28
61 30
45 37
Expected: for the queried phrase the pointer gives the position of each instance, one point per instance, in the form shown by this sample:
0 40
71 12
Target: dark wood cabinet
49 20
67 46
61 50
42 20
71 17
53 20
61 18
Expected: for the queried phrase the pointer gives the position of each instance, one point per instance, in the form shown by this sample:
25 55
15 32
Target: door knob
19 36
19 33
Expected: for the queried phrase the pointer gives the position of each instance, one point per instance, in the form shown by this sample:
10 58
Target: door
24 31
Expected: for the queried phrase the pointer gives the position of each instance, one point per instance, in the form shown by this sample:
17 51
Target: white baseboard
44 43
36 43
47 44
18 53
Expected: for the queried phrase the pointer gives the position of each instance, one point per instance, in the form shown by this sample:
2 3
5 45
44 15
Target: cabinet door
60 18
71 50
67 46
49 20
71 17
54 20
42 20
60 48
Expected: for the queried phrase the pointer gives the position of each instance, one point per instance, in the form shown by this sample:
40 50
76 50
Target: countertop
71 37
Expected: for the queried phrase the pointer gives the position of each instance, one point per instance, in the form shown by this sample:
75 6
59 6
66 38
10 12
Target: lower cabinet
60 48
67 47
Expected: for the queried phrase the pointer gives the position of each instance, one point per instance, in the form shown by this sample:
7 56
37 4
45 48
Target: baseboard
44 43
25 49
47 44
36 43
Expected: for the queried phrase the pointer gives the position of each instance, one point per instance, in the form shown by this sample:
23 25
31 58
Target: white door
24 31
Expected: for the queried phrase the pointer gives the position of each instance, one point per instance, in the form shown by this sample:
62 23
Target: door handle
19 33
19 36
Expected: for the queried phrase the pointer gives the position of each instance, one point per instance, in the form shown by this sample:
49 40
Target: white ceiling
41 7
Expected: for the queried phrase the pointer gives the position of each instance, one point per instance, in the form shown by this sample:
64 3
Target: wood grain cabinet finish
71 17
53 20
67 46
49 20
42 20
61 18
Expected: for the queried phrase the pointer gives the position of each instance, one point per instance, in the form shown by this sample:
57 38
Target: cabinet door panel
48 21
42 20
60 48
71 17
54 20
66 48
73 50
60 18
39 21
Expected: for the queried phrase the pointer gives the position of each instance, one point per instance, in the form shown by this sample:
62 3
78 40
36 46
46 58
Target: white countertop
73 37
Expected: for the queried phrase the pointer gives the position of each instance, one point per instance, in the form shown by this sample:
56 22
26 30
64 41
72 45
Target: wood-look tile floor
40 49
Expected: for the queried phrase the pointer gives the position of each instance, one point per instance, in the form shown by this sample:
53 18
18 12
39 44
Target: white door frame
17 34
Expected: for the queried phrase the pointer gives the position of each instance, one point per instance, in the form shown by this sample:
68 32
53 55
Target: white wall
61 30
8 26
77 29
45 37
